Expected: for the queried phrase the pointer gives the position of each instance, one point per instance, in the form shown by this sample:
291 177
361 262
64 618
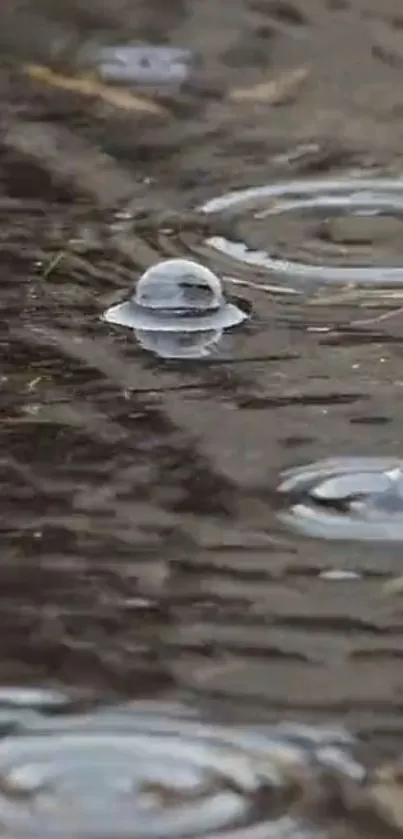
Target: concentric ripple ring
370 196
132 774
357 498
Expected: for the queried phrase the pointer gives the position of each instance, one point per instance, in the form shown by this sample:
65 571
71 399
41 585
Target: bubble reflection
139 770
179 344
346 498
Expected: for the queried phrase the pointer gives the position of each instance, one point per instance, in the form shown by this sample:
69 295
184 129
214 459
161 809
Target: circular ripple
21 706
132 772
346 498
367 197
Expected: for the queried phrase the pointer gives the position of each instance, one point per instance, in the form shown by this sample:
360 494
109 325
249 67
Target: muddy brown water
141 554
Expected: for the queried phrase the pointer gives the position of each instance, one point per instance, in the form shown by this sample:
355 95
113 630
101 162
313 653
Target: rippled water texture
155 770
366 197
180 344
346 498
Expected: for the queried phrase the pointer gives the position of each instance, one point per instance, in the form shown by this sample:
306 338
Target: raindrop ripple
369 196
359 498
149 772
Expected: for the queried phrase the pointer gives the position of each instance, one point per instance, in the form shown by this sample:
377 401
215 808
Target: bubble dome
176 295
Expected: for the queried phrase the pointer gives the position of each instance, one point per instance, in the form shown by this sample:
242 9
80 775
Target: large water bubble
346 498
177 295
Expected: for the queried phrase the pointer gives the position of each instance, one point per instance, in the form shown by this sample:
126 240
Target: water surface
143 556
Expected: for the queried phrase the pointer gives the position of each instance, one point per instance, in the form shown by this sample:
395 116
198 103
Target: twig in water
279 91
276 289
53 264
384 316
91 88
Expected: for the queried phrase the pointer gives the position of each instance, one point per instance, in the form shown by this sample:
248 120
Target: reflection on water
157 770
364 197
346 498
178 310
179 344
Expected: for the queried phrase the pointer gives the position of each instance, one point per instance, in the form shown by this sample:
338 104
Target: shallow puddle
147 555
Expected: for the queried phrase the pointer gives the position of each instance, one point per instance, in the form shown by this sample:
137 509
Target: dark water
147 568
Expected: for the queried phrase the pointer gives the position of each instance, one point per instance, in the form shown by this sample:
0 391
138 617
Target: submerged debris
94 89
386 792
125 76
